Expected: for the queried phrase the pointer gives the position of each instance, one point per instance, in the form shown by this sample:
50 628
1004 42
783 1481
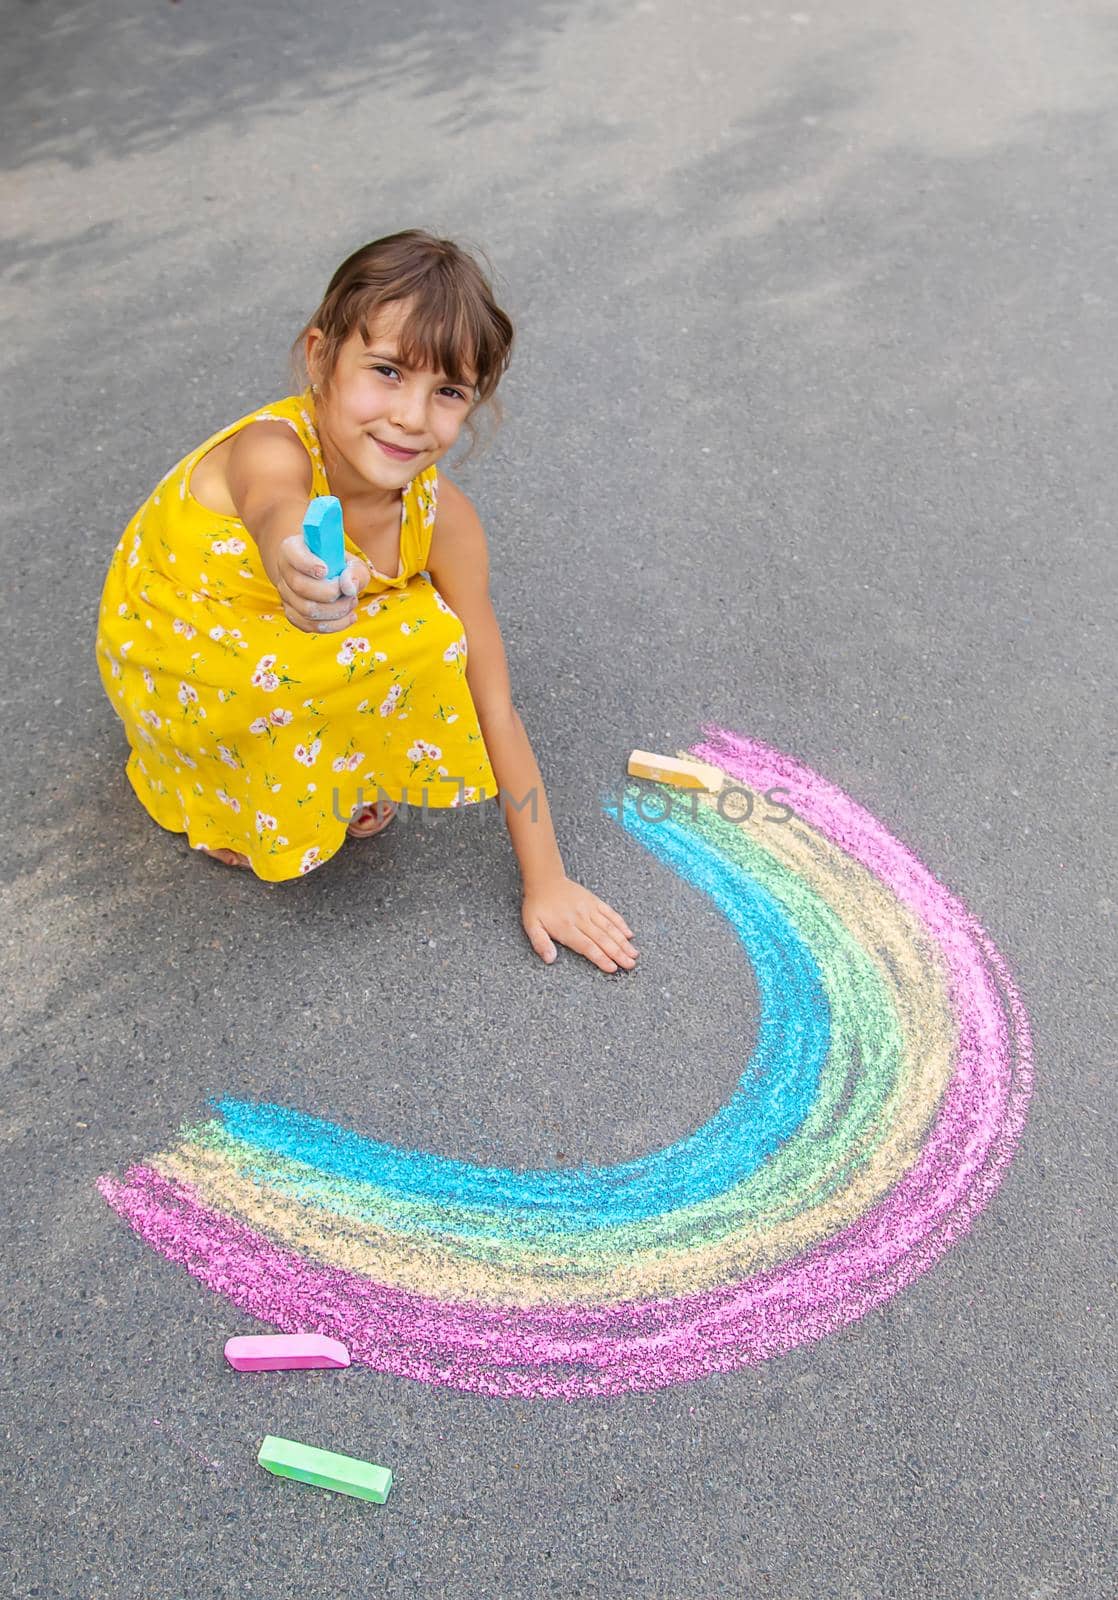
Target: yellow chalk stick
667 769
714 778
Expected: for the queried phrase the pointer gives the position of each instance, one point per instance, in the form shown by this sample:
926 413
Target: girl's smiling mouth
395 454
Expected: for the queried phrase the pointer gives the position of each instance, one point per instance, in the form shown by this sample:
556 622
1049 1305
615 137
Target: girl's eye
386 368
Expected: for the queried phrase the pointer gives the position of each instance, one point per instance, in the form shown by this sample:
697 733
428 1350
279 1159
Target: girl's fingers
355 577
588 947
305 573
615 939
314 615
324 590
318 619
618 920
295 552
319 602
604 950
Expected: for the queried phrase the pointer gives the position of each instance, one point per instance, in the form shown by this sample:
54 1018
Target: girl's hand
568 912
316 604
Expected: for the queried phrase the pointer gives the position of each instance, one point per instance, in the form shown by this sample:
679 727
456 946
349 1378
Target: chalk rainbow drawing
887 1088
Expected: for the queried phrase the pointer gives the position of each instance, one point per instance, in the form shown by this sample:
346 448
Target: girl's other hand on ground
312 602
563 910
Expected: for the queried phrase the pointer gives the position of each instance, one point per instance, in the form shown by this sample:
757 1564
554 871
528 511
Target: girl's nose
409 413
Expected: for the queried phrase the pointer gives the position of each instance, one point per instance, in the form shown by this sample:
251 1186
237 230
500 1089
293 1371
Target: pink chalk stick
274 1352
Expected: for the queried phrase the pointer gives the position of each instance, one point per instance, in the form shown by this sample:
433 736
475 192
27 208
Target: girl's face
374 402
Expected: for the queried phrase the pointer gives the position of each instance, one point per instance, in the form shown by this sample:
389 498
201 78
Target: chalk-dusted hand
561 909
311 601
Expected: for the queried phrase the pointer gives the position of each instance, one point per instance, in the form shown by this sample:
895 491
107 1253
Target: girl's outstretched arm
554 907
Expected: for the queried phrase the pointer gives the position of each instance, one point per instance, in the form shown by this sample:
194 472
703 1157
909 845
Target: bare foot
229 858
368 820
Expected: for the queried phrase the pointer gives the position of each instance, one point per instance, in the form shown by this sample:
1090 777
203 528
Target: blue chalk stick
322 530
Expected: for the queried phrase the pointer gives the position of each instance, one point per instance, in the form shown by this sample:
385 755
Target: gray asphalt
810 431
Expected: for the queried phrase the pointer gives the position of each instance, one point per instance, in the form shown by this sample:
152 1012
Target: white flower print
310 859
348 763
308 755
188 696
151 719
388 704
349 649
227 756
453 651
149 682
229 800
265 823
426 496
422 751
187 629
185 759
259 726
263 677
280 716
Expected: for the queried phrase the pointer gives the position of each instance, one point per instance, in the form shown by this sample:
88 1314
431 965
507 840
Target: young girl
262 701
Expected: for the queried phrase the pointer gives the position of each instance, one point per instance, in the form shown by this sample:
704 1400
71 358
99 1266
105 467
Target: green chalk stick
329 1471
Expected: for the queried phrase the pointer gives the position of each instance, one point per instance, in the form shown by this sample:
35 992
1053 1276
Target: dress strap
421 502
299 411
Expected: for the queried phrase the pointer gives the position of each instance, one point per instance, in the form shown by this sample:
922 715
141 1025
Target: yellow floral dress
249 733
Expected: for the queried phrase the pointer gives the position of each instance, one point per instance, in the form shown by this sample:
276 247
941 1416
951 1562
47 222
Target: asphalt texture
810 432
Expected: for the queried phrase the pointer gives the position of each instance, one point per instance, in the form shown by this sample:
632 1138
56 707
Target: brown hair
455 324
